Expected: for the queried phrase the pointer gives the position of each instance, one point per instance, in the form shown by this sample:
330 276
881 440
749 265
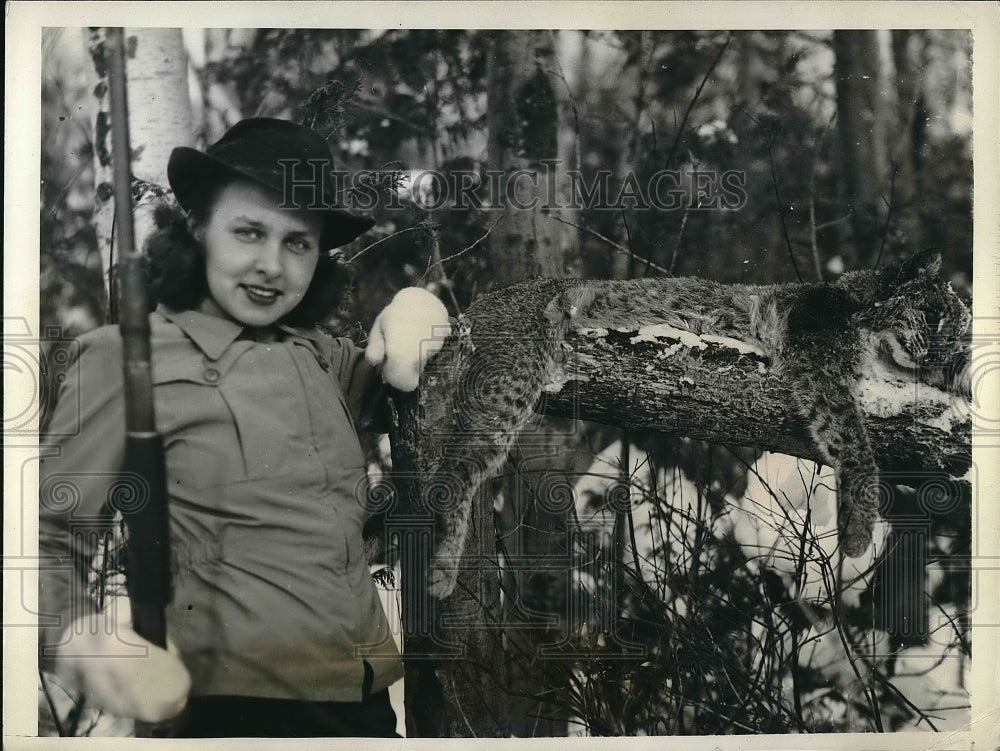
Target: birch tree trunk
212 51
159 119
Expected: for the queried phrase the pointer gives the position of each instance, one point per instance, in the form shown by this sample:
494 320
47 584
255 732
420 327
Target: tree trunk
861 123
523 125
469 696
529 114
455 681
570 89
219 104
159 120
908 126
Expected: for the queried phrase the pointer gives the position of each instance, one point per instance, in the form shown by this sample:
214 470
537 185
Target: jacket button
212 375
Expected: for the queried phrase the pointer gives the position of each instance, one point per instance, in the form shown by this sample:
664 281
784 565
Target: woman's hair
175 268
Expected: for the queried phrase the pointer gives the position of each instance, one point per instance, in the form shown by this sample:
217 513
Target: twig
768 140
464 250
963 642
677 242
646 50
832 222
924 717
387 237
375 109
631 252
812 203
435 236
612 243
849 647
260 107
52 705
888 217
697 93
57 201
458 705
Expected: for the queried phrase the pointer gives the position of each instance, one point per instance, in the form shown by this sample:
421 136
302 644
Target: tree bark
529 112
523 124
159 119
721 396
455 682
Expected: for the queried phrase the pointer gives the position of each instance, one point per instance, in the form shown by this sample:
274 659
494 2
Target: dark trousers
255 717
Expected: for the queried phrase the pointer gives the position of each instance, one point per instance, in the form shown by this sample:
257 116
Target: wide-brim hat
277 154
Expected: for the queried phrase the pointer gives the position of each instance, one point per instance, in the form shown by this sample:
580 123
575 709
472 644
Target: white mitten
121 672
406 334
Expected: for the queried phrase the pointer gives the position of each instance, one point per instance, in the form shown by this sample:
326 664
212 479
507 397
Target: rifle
148 551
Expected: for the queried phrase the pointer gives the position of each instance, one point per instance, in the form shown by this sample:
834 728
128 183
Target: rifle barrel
148 552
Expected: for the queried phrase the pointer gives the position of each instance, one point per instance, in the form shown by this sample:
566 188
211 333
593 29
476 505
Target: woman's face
259 259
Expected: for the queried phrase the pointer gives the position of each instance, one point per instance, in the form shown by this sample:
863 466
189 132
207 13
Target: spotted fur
814 335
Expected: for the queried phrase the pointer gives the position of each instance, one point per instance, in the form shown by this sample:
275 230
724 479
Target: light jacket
266 484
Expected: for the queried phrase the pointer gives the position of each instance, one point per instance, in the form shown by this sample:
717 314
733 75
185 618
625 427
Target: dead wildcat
816 336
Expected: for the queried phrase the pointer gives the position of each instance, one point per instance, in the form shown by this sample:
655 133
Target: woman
277 625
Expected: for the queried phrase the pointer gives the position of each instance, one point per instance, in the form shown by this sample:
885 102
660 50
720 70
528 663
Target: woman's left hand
121 672
406 334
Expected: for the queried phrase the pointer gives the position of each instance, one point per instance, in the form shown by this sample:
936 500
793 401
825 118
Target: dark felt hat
256 149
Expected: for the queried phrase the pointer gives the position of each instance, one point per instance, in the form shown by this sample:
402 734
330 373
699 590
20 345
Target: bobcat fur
813 335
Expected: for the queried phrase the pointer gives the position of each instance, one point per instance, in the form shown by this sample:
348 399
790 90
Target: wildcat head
920 320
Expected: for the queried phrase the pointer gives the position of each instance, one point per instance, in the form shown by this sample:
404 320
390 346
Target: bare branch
613 244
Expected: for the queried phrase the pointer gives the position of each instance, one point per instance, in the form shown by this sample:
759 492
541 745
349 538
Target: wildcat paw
406 334
858 509
854 543
441 577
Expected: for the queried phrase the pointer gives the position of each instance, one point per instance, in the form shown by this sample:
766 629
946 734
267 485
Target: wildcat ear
570 303
925 264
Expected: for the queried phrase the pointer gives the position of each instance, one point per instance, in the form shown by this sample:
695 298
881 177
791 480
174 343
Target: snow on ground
787 499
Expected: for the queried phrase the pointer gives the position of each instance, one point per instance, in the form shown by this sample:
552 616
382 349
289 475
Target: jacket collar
214 335
312 336
211 334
